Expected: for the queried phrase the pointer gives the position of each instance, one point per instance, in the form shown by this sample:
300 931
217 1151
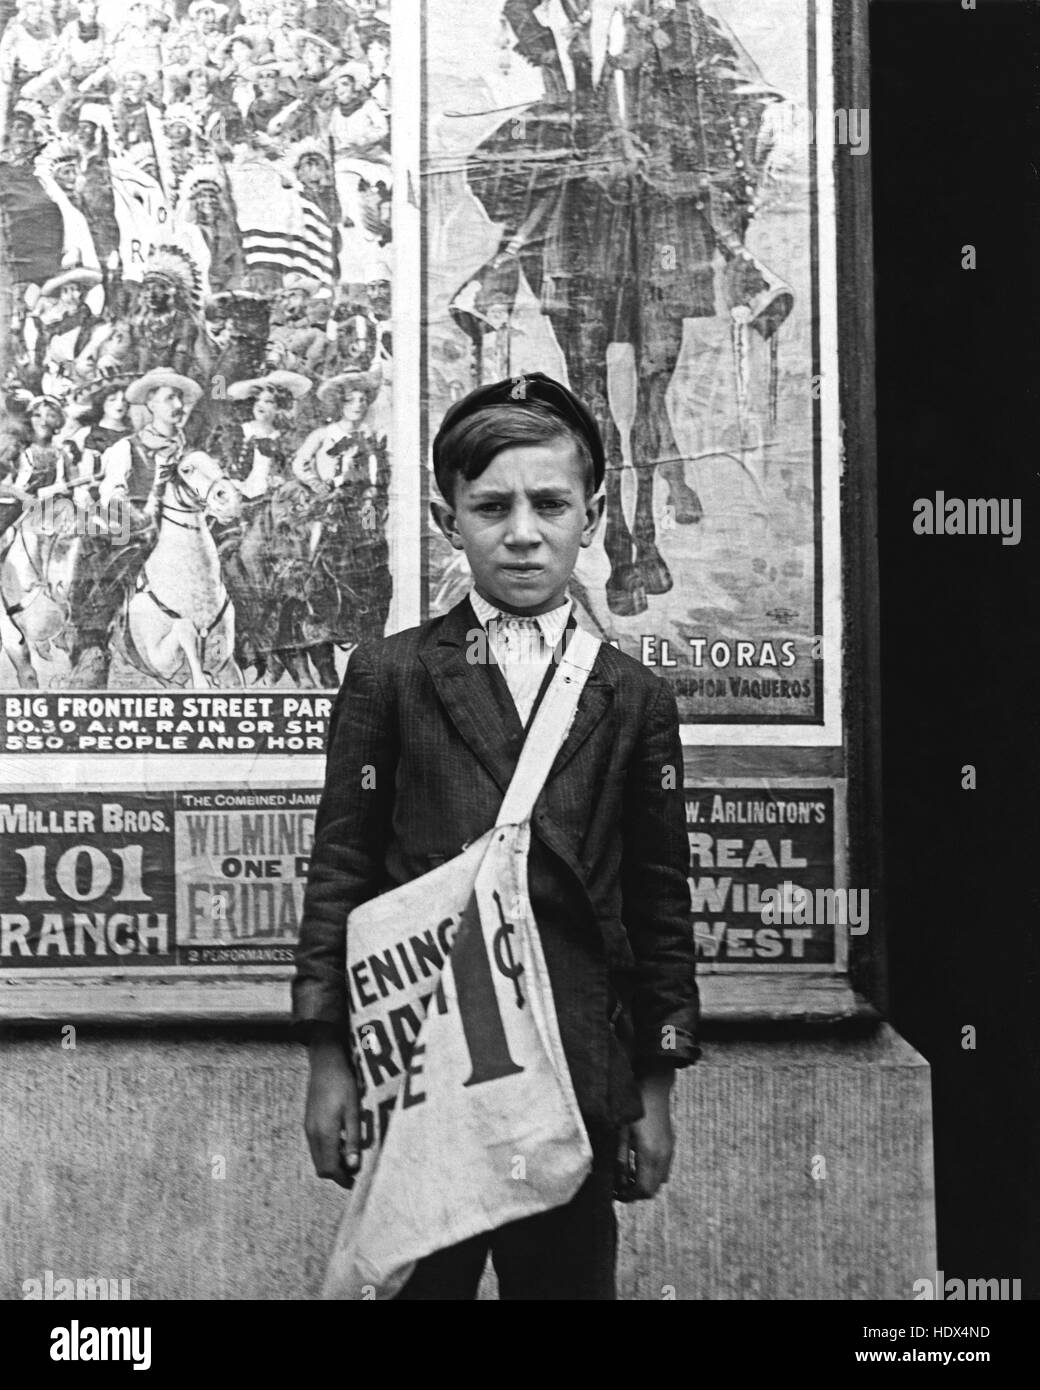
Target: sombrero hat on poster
294 382
75 275
304 37
226 299
348 382
198 7
359 72
369 30
200 63
52 401
269 66
106 384
223 48
298 280
138 391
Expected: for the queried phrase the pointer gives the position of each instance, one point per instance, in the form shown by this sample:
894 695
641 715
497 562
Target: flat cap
529 388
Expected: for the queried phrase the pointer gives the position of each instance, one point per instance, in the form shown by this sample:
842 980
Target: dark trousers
567 1253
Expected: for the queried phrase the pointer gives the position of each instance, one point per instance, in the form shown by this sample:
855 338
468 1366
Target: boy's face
521 525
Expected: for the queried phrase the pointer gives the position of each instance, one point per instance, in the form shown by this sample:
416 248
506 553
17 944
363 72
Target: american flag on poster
282 228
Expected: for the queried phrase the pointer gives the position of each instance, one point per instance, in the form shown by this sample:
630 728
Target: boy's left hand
645 1146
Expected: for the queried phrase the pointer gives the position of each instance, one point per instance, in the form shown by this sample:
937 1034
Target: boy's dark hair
476 440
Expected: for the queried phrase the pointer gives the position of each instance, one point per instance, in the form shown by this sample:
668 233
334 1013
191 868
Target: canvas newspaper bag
468 1114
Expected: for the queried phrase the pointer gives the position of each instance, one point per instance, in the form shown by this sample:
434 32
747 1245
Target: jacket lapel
479 703
592 705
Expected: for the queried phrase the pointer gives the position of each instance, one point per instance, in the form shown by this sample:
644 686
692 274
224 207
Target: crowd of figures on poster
196 336
196 341
206 262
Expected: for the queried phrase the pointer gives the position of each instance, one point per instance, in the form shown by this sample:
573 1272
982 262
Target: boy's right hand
331 1119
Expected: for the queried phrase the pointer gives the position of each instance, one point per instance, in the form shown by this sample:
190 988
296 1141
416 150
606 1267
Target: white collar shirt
522 646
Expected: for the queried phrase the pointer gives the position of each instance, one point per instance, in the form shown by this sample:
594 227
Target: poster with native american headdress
250 253
195 352
198 511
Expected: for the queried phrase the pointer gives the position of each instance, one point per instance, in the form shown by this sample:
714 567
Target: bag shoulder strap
547 732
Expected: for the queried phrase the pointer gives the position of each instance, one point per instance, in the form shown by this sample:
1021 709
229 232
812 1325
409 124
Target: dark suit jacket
440 737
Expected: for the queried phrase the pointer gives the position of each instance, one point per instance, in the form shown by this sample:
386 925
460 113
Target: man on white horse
134 472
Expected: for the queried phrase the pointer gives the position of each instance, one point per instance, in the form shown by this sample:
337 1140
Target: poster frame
261 996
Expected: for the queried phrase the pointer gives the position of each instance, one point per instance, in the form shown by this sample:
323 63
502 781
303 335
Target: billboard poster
637 199
212 880
209 478
195 357
764 861
122 880
249 256
228 723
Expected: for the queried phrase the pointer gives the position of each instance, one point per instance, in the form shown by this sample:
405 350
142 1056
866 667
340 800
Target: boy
435 735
